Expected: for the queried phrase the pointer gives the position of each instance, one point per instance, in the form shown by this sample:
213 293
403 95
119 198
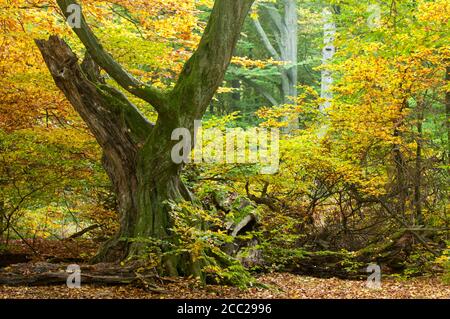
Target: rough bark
137 154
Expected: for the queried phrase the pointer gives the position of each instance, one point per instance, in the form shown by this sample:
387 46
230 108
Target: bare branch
265 39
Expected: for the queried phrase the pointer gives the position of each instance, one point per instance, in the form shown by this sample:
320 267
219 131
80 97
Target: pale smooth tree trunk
328 52
285 31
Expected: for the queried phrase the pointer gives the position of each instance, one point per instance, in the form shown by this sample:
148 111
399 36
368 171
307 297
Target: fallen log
43 274
7 259
390 254
84 231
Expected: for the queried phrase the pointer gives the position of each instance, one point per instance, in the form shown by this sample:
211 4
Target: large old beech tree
137 153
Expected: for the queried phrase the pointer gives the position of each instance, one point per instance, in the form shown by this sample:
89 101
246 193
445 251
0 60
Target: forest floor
279 285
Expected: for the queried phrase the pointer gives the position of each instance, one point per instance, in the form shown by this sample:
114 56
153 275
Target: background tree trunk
285 31
329 31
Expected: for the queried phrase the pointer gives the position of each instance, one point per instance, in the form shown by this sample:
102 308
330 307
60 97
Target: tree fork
137 154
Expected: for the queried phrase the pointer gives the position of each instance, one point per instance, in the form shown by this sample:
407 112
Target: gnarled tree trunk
137 153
